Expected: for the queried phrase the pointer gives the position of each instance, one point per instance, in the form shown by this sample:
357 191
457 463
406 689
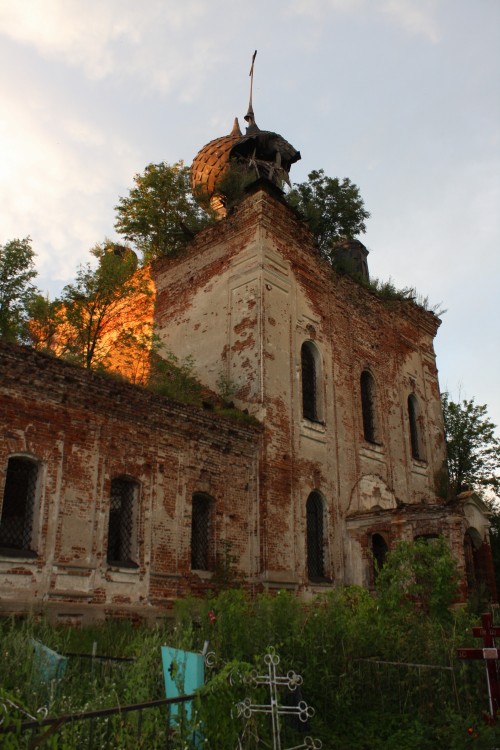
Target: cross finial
249 117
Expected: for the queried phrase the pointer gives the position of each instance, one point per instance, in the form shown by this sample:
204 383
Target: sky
400 96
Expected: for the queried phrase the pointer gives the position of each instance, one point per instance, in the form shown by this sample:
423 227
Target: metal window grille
121 520
16 522
201 533
309 402
368 406
315 538
414 432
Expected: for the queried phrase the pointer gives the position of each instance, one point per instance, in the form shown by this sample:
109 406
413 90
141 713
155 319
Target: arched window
18 505
311 382
415 427
368 407
122 526
201 532
315 537
379 552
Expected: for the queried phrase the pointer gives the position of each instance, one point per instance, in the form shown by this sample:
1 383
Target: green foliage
159 215
96 305
46 318
333 209
473 450
174 378
226 388
387 291
420 577
17 269
362 659
231 186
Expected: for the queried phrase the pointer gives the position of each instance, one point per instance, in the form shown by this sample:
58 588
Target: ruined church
116 501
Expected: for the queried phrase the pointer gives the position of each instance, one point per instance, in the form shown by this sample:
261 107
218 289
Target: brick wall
84 429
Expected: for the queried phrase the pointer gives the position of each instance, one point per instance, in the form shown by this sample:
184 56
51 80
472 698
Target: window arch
201 532
122 524
311 382
18 505
369 407
414 421
315 537
379 552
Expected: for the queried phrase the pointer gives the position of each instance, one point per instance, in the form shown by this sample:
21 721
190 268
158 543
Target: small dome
259 152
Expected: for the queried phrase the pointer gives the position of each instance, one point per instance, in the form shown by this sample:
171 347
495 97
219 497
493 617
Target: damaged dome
255 154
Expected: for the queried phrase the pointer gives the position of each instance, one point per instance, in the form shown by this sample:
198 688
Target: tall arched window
414 421
18 505
368 407
315 537
122 525
311 382
379 552
201 532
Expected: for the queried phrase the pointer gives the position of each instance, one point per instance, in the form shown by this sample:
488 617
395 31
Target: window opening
201 532
309 382
379 552
121 521
16 521
368 406
315 538
415 437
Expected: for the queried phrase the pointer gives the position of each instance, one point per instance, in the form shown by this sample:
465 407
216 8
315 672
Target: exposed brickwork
258 287
83 429
242 301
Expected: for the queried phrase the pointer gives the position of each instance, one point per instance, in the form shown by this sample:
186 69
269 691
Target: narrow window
122 522
315 538
16 520
310 365
415 431
379 552
368 407
201 532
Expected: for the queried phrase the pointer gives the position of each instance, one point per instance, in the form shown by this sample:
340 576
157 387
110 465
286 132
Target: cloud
415 16
59 179
116 37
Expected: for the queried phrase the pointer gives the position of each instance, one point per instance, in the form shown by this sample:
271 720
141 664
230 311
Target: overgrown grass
334 642
386 291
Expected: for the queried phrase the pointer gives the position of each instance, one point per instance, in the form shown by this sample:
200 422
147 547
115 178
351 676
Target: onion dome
226 164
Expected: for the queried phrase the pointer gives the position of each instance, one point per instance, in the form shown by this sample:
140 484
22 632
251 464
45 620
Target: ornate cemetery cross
302 711
490 654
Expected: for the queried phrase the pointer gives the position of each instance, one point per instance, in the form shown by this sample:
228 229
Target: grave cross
302 711
490 654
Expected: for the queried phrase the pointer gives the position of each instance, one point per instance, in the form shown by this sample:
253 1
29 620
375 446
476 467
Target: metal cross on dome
301 711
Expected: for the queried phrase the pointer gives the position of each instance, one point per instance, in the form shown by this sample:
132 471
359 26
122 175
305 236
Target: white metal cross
302 711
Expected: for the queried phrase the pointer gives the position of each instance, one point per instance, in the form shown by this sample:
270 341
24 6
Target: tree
17 269
108 320
419 576
333 209
473 450
46 318
160 215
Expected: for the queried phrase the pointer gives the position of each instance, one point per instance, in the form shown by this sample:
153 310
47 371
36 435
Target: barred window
122 531
311 393
368 407
415 427
315 538
201 532
16 519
